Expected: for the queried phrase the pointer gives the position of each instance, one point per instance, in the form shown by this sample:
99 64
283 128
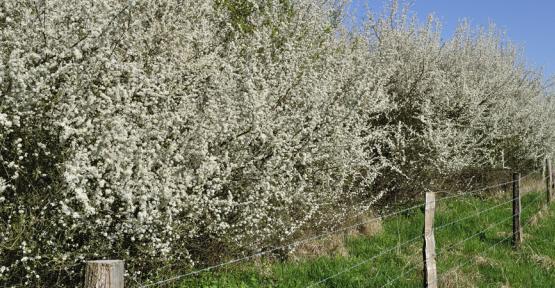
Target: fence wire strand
472 192
451 247
498 242
324 235
468 238
367 260
293 244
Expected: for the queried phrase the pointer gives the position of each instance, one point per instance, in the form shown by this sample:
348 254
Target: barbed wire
452 246
368 260
468 238
498 242
439 228
324 235
293 244
471 192
443 226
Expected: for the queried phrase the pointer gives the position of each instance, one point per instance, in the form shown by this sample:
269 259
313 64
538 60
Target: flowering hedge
175 133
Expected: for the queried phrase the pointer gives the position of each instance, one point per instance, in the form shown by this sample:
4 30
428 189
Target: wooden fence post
548 179
104 274
517 229
429 250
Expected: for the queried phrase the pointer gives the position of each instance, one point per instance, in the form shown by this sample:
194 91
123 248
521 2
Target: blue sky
529 23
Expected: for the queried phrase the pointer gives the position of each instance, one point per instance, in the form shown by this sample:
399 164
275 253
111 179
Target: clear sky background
529 23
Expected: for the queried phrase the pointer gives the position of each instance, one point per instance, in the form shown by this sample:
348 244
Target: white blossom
148 128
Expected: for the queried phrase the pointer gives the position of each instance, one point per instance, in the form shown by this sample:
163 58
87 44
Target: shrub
175 133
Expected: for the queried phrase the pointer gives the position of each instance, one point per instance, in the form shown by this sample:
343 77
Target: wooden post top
104 274
109 262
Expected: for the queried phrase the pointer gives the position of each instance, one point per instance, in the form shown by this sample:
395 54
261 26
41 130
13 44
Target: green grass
486 265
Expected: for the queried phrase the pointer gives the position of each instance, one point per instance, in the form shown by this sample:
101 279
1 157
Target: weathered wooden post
517 229
429 249
548 179
104 274
544 168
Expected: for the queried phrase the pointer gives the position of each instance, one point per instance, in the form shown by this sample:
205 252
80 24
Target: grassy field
467 255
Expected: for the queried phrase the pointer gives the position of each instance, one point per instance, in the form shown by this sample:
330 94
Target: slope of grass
474 252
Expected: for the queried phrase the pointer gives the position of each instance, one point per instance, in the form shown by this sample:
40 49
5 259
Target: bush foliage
174 133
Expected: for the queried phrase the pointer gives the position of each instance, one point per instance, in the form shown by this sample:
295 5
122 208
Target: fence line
436 229
465 263
498 242
368 260
293 244
448 247
326 234
443 249
443 226
472 192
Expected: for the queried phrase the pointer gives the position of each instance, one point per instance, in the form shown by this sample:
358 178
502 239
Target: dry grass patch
532 184
457 278
482 261
544 261
413 256
334 245
503 234
371 226
543 213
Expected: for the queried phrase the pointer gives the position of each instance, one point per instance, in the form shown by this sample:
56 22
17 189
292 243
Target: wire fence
458 243
491 246
293 244
435 229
